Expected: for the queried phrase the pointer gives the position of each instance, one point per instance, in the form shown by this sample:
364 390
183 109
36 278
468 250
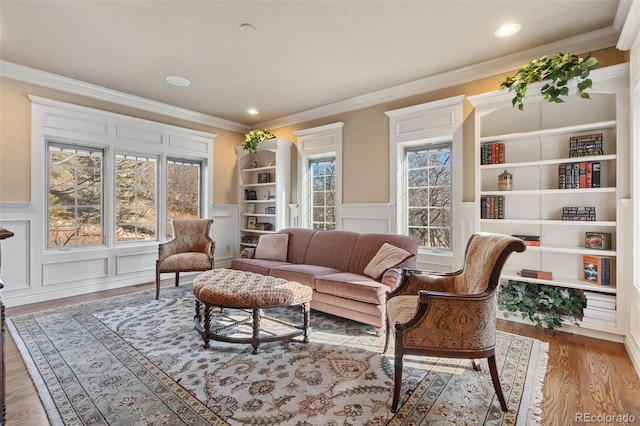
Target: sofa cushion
387 257
298 242
331 249
272 247
368 245
352 286
258 266
304 274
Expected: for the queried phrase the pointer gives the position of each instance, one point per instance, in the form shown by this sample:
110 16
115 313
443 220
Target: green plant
559 69
253 138
542 304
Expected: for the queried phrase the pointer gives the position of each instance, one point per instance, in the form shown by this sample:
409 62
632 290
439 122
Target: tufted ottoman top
240 289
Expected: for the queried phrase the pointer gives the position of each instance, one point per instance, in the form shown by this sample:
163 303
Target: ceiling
302 54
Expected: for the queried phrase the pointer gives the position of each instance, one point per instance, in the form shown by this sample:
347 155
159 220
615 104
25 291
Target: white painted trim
594 40
627 22
69 85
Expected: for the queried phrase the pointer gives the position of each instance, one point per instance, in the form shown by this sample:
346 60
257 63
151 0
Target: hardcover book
596 269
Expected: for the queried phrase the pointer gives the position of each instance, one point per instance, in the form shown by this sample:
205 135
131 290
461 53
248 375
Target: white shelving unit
265 176
536 142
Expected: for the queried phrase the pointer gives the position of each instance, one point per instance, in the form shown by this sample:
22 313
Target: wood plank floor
584 375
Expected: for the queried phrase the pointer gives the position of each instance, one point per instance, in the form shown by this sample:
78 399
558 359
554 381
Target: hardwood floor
585 376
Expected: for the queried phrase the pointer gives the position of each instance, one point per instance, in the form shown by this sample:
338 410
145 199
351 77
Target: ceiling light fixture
252 111
247 28
508 30
178 81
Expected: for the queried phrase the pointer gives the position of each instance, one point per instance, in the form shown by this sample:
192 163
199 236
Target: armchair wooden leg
177 278
496 382
387 336
397 381
157 284
476 365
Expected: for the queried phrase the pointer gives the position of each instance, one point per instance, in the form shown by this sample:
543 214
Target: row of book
529 240
579 213
585 174
600 309
585 145
534 273
492 207
596 269
492 153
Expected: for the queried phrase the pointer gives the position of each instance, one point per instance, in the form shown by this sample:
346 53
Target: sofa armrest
248 253
391 278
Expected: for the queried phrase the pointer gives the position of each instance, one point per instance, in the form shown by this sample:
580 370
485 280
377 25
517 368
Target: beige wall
365 139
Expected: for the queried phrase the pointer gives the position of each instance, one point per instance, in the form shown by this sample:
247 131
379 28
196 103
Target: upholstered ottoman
228 288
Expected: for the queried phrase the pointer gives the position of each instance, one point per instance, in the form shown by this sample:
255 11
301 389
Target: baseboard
633 349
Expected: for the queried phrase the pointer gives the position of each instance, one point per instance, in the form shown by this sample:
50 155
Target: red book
583 175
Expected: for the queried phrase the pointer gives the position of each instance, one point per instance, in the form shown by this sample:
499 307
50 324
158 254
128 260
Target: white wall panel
189 143
136 262
139 134
14 255
56 121
75 270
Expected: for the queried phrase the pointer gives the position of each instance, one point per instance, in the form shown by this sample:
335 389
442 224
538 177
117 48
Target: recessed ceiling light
252 111
178 81
247 28
507 30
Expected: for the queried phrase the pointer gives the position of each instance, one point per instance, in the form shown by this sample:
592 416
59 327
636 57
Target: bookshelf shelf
559 282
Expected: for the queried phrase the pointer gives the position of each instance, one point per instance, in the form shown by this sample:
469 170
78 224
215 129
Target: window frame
309 204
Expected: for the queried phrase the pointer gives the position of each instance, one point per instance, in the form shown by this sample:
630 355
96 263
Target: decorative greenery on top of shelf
542 304
253 138
559 69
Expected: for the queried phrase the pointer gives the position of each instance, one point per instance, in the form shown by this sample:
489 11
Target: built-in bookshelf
264 190
537 146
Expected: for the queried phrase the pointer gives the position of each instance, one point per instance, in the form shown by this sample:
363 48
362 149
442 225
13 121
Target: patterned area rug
134 360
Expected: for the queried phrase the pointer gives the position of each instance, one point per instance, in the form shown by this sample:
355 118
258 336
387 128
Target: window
322 173
183 191
136 191
75 189
428 194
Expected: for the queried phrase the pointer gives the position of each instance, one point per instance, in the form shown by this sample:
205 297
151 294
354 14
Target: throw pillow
387 257
272 247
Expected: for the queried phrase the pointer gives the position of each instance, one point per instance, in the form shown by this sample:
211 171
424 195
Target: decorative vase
505 181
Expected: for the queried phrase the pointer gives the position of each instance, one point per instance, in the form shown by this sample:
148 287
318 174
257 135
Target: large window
429 194
75 195
322 173
136 191
183 191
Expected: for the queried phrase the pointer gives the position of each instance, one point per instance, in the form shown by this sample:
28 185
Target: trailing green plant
559 70
542 304
254 137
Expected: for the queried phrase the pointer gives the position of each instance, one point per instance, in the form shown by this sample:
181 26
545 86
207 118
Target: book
533 273
595 303
582 174
601 313
595 174
590 295
596 269
599 321
529 240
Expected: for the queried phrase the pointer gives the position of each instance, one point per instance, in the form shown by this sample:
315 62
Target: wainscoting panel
14 255
436 121
136 262
225 233
375 217
74 270
84 125
190 143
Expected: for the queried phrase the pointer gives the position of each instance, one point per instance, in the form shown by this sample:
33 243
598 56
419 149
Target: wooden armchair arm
452 322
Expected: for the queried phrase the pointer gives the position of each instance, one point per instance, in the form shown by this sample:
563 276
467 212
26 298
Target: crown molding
627 22
594 40
69 85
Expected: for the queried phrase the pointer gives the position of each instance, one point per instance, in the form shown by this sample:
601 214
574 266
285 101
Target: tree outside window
136 190
429 194
323 191
183 191
74 188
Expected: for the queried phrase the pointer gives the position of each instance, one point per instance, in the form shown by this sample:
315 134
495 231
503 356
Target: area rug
134 360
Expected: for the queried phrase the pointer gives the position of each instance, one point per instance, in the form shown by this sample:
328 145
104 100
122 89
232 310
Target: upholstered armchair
452 314
190 250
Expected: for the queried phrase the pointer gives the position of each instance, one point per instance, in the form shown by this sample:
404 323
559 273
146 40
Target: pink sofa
333 264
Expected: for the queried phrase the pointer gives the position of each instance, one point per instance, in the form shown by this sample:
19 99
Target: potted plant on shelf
254 137
542 304
558 70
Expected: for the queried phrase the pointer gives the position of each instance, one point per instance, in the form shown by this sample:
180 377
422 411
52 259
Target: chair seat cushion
401 308
185 261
